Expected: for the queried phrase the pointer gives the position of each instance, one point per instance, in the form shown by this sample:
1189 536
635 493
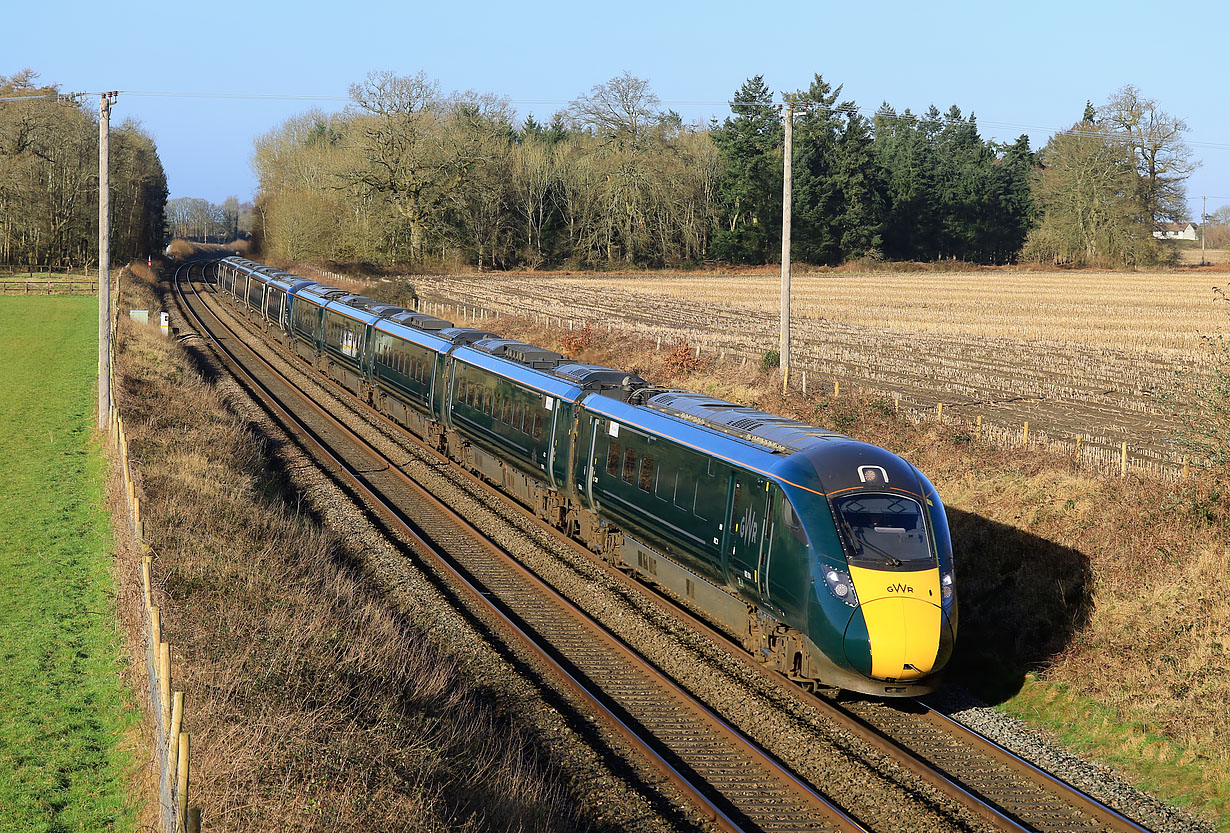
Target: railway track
730 779
724 773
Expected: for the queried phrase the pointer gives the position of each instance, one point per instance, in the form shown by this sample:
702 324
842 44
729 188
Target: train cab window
629 465
787 516
613 453
883 528
646 479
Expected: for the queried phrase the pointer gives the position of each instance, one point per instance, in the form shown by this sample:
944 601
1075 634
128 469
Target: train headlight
946 587
841 586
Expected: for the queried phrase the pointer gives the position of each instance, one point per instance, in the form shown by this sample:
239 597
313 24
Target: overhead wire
866 112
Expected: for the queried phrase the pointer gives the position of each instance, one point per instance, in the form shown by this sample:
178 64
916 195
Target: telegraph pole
1204 218
787 159
105 101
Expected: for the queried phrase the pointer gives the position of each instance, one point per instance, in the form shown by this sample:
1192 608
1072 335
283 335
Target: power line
733 106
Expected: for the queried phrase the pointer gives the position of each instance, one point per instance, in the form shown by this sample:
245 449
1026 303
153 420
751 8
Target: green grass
1150 759
63 707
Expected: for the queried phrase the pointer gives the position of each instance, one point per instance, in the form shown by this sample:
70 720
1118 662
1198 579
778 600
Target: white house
1176 231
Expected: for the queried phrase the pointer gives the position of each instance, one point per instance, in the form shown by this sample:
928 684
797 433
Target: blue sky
1023 67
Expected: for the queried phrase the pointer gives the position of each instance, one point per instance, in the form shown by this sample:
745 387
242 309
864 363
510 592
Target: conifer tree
749 189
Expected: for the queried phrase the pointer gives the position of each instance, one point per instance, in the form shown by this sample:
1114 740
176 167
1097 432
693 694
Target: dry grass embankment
1115 590
313 702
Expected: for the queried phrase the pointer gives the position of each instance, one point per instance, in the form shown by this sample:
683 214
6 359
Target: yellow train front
882 608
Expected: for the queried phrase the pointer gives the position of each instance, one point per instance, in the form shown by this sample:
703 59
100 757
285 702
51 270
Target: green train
831 558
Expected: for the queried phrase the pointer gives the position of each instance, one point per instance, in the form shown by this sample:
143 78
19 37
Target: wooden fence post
1123 461
939 413
164 675
181 771
1025 435
177 722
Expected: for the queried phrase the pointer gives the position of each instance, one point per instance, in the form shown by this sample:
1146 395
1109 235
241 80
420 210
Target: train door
749 517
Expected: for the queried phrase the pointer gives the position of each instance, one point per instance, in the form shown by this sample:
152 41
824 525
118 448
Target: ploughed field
1090 355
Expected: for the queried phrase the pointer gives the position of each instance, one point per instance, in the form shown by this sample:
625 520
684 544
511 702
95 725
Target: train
831 558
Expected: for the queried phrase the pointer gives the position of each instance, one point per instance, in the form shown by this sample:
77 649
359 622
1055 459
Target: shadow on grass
1022 600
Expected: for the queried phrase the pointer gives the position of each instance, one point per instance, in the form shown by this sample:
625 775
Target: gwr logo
899 588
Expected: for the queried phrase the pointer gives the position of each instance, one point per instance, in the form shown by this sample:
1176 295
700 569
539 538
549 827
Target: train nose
902 633
898 639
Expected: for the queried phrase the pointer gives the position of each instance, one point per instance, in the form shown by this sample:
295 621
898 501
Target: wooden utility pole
1204 218
787 159
105 101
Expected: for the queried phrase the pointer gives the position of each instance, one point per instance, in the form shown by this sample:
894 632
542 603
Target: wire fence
1093 450
172 745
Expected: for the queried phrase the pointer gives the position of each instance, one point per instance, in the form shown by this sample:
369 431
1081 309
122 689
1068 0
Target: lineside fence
33 270
39 286
172 745
1093 451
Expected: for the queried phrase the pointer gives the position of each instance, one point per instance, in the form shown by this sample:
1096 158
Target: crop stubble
1088 354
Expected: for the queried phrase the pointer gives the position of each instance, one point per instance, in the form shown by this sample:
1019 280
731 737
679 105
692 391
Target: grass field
64 708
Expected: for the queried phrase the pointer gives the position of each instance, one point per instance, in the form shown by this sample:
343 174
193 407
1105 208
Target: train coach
830 557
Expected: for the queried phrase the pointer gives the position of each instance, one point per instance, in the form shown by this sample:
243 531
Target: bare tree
532 176
1163 161
623 110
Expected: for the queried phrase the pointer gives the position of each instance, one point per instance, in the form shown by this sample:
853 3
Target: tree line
49 180
408 174
193 218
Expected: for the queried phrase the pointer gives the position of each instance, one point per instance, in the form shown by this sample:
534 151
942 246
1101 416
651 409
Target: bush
770 360
681 359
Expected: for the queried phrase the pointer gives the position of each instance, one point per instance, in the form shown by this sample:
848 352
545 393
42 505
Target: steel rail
982 806
1112 818
588 693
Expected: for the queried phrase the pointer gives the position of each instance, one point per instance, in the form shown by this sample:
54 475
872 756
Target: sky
206 79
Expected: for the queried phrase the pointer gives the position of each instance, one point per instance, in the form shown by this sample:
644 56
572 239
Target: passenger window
664 487
487 403
612 460
537 425
646 481
517 416
682 496
629 465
